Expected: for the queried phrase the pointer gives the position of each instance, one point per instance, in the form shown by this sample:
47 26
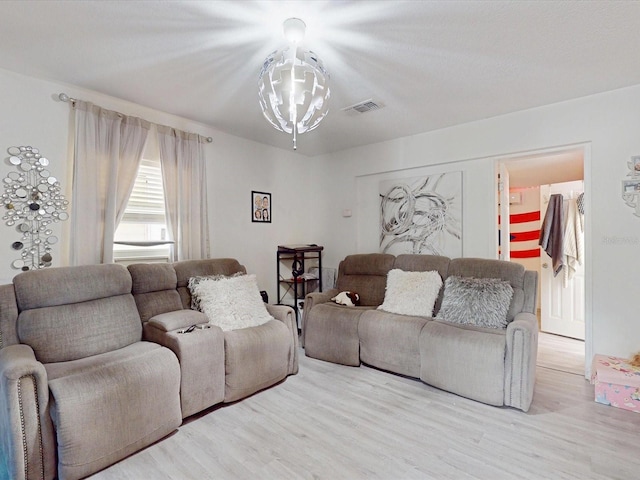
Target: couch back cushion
8 316
365 274
67 313
487 268
154 289
197 268
425 263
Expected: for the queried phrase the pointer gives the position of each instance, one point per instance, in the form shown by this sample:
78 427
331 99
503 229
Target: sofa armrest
314 298
27 440
287 315
201 357
520 361
170 321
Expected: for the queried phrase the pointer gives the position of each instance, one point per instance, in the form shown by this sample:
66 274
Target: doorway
523 182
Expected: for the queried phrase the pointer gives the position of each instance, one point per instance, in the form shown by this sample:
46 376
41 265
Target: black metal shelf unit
298 284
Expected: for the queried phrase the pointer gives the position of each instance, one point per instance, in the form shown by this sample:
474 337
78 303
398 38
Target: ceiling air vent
363 107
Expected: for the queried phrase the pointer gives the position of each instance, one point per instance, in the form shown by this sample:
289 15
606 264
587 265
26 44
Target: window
141 235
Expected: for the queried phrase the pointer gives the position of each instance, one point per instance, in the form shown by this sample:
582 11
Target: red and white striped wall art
525 232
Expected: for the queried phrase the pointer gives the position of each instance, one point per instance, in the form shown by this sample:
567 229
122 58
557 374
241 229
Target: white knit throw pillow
411 293
231 303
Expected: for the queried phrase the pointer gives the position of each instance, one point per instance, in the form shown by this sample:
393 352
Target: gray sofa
491 365
93 369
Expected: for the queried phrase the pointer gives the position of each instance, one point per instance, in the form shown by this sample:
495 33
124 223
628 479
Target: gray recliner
79 389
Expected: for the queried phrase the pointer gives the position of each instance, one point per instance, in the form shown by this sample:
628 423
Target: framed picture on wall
260 207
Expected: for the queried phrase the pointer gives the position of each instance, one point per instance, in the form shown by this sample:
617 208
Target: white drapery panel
184 178
108 150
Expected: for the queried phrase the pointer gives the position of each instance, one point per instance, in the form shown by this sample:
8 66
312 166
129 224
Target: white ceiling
432 63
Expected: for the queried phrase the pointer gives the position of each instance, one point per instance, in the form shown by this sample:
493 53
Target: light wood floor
337 422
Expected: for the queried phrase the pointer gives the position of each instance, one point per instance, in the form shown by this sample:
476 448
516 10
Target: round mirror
26 166
52 180
7 180
24 227
43 187
17 263
45 173
15 160
17 245
52 239
13 175
63 216
35 150
44 161
13 151
21 192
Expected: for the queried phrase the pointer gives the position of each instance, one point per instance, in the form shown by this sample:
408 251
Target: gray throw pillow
483 302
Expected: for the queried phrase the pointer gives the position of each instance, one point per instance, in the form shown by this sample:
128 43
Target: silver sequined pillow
483 302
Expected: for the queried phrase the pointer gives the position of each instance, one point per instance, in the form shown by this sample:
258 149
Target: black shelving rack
297 283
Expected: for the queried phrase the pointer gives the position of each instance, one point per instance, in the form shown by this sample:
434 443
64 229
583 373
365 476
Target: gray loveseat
93 369
491 365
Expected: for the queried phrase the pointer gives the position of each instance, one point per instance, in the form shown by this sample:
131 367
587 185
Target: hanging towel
552 232
581 203
573 248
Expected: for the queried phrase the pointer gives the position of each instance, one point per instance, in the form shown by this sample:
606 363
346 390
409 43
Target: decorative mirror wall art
32 202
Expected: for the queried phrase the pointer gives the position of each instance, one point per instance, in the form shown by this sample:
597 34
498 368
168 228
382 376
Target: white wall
310 194
32 115
608 123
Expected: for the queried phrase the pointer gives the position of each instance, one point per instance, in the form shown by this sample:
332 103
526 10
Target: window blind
146 203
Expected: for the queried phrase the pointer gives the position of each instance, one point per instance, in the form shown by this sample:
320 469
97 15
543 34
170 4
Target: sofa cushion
193 281
231 303
331 333
64 285
255 358
391 342
154 289
410 262
511 272
68 313
366 274
464 359
109 406
69 332
411 293
186 269
476 301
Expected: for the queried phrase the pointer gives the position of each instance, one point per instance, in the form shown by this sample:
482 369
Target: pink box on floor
617 383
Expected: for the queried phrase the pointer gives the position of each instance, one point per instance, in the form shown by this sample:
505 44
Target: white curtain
108 150
185 191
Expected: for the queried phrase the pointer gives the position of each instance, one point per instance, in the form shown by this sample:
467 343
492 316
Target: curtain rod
66 98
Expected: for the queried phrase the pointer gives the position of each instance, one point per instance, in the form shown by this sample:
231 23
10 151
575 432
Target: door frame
588 233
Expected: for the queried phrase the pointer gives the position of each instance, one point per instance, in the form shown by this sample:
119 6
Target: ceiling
432 64
533 170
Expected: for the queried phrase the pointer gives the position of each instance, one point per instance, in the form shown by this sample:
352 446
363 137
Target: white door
561 308
503 196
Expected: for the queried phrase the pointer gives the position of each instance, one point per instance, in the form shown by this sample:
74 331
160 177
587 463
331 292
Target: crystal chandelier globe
293 86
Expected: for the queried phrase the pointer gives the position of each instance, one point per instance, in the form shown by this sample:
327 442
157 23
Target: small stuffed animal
635 360
350 299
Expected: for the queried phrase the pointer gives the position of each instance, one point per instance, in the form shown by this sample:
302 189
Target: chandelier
293 86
